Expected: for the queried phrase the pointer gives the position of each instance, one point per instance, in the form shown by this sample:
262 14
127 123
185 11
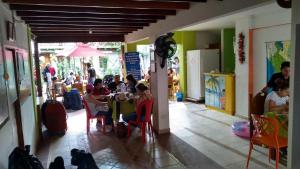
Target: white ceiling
229 20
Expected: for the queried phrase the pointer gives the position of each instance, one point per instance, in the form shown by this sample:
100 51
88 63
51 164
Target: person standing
91 74
48 80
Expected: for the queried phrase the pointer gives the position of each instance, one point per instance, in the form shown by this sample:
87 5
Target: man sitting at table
277 101
143 93
284 75
99 89
97 107
117 85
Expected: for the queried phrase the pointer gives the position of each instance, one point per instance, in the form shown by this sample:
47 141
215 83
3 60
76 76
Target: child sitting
277 100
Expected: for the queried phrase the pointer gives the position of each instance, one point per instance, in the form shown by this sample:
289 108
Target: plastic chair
90 117
147 120
266 133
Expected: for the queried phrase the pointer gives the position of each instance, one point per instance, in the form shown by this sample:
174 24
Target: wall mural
277 52
215 91
3 93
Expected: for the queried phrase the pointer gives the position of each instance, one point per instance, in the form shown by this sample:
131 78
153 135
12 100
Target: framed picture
10 31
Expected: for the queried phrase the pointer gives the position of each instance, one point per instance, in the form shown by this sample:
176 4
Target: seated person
99 89
277 101
131 83
70 79
143 93
117 85
284 75
97 107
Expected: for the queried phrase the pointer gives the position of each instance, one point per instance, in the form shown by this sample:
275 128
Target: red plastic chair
266 133
147 120
89 117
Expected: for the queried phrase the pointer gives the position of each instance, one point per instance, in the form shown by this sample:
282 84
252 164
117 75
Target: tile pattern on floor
210 133
107 150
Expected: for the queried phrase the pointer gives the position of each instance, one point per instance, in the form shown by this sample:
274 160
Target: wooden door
11 63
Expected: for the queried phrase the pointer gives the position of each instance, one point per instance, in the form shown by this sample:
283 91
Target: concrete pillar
159 89
294 114
243 25
37 69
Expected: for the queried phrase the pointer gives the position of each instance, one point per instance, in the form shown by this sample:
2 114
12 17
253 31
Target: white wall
260 37
8 133
198 13
268 27
294 116
242 70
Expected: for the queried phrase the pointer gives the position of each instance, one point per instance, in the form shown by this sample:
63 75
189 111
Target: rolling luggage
54 116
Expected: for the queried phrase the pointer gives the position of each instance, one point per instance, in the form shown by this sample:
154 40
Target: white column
242 70
159 89
294 115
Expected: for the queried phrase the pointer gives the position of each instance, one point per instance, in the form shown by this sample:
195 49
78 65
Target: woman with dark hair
143 93
131 83
277 100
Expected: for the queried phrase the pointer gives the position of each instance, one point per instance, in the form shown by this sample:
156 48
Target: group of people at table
99 97
277 99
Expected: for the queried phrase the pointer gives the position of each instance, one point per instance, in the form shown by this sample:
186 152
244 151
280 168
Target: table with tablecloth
283 123
126 107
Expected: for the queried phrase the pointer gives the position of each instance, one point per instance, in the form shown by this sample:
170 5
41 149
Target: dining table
123 106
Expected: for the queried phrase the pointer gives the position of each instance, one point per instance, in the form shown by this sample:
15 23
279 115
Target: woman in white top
277 100
97 107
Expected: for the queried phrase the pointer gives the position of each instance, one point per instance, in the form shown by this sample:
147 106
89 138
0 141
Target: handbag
121 129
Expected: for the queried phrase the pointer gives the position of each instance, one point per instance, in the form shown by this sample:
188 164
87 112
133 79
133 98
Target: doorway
11 75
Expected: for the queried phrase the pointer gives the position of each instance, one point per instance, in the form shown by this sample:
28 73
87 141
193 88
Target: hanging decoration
241 51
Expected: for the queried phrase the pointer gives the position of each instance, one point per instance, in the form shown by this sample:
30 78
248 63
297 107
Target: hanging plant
241 51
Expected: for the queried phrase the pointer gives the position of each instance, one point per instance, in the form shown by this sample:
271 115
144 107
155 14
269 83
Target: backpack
21 159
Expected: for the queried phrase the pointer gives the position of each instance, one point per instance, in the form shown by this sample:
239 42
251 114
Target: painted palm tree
213 84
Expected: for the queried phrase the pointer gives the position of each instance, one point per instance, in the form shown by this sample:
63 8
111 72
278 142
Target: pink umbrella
81 50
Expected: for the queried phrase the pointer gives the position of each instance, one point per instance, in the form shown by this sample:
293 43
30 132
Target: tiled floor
199 138
108 150
210 133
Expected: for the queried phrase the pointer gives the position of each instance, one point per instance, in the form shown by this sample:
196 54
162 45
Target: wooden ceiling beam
78 34
87 20
106 3
88 23
82 29
84 25
18 7
181 0
87 15
91 38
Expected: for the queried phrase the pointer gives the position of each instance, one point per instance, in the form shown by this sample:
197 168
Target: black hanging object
165 47
285 3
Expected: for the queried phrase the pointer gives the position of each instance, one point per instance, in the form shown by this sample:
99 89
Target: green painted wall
228 51
186 40
131 47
